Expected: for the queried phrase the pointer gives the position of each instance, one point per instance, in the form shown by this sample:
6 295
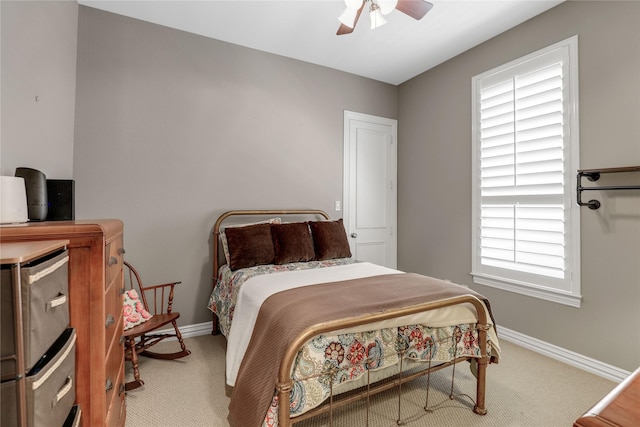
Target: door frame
393 173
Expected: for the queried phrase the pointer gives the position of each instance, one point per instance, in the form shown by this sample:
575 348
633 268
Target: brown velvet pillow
292 242
330 239
249 246
223 236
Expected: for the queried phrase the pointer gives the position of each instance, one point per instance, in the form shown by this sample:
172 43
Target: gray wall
434 177
38 54
172 129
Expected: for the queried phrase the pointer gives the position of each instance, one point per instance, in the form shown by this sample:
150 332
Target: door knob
354 235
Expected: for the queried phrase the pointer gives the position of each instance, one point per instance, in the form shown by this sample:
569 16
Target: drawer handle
68 384
109 385
121 251
113 261
121 389
110 321
59 300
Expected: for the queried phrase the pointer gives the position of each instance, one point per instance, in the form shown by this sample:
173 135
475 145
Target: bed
307 324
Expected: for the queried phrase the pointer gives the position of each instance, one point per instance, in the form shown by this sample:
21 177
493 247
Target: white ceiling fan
377 9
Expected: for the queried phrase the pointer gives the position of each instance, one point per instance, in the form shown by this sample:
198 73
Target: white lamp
353 4
387 6
348 17
13 200
375 16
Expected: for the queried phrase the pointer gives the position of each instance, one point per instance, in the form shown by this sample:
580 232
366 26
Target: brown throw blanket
286 314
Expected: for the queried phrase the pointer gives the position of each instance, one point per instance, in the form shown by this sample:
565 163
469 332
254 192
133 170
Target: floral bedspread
329 361
332 362
225 292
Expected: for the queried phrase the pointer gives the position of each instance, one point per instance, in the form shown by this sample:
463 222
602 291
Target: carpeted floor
524 389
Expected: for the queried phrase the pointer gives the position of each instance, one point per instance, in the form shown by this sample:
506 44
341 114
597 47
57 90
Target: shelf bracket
594 175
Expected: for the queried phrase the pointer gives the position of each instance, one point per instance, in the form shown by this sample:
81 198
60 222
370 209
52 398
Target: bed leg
480 408
215 330
481 379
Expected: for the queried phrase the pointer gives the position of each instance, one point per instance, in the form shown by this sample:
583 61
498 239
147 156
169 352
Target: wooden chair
157 300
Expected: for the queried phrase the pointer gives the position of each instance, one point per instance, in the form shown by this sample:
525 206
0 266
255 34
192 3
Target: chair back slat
156 299
133 281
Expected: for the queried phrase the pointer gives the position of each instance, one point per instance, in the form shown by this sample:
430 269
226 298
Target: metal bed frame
284 383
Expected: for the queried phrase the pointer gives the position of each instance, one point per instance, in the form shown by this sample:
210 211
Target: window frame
537 286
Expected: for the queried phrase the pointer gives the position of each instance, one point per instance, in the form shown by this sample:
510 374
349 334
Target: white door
370 195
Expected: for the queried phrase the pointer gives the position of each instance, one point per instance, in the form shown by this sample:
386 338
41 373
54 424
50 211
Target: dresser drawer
114 368
114 252
8 403
45 308
113 313
74 417
51 390
116 410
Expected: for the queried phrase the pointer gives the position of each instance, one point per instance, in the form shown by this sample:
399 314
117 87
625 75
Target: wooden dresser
619 408
95 307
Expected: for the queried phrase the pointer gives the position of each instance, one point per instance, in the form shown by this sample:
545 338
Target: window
526 222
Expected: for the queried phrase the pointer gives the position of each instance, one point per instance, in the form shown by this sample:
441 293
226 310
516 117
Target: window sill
543 293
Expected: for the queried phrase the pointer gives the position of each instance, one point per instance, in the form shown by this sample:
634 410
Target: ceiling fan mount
377 9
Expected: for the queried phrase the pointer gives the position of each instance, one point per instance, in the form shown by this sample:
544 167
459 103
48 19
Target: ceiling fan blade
343 29
414 8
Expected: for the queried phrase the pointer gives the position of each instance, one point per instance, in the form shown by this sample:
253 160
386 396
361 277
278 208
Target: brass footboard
285 382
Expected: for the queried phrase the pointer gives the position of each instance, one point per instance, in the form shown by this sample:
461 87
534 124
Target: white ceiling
306 30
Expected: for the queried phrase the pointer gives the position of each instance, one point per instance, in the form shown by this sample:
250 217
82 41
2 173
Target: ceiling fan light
376 18
348 17
387 6
353 4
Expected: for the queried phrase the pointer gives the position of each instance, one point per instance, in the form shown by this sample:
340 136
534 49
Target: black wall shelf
594 175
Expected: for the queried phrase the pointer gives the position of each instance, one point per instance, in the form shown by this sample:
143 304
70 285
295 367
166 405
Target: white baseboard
190 331
563 355
550 350
196 330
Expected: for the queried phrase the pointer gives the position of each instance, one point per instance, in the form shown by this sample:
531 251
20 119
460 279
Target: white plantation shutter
524 217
